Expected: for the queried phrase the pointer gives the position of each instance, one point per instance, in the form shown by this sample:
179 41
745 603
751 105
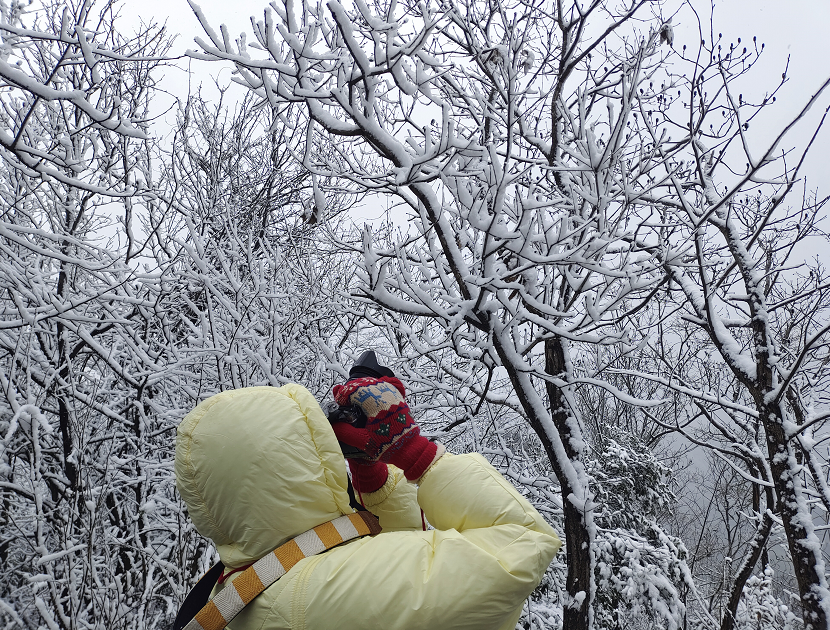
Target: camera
366 366
352 414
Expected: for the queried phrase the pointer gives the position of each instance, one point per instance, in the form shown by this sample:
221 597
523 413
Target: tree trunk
756 548
804 547
578 510
577 534
64 415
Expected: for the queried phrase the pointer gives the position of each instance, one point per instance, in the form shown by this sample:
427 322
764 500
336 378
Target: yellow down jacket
260 465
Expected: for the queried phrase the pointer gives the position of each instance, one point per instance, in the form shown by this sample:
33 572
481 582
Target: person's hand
390 434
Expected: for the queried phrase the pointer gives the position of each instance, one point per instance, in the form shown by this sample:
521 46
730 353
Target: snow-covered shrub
640 569
761 609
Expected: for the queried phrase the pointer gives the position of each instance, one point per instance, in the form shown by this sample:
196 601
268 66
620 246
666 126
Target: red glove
368 476
390 434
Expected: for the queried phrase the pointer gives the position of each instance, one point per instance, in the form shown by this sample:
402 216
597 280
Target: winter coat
260 465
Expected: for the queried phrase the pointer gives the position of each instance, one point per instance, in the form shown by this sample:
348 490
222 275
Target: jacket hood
258 466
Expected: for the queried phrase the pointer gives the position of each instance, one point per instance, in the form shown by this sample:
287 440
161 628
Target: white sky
799 29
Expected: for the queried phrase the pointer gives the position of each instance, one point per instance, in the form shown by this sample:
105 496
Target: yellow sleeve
465 492
488 552
395 503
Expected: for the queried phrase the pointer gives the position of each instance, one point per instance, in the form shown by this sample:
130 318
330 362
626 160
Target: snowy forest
551 218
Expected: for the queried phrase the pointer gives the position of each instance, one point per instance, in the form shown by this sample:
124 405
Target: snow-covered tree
748 344
82 480
250 293
133 283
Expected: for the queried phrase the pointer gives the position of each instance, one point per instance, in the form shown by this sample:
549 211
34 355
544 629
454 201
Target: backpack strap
230 601
198 595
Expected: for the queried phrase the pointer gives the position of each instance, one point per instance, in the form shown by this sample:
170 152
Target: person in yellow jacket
260 465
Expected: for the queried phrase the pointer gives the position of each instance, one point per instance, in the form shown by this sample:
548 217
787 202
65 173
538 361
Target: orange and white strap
228 603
